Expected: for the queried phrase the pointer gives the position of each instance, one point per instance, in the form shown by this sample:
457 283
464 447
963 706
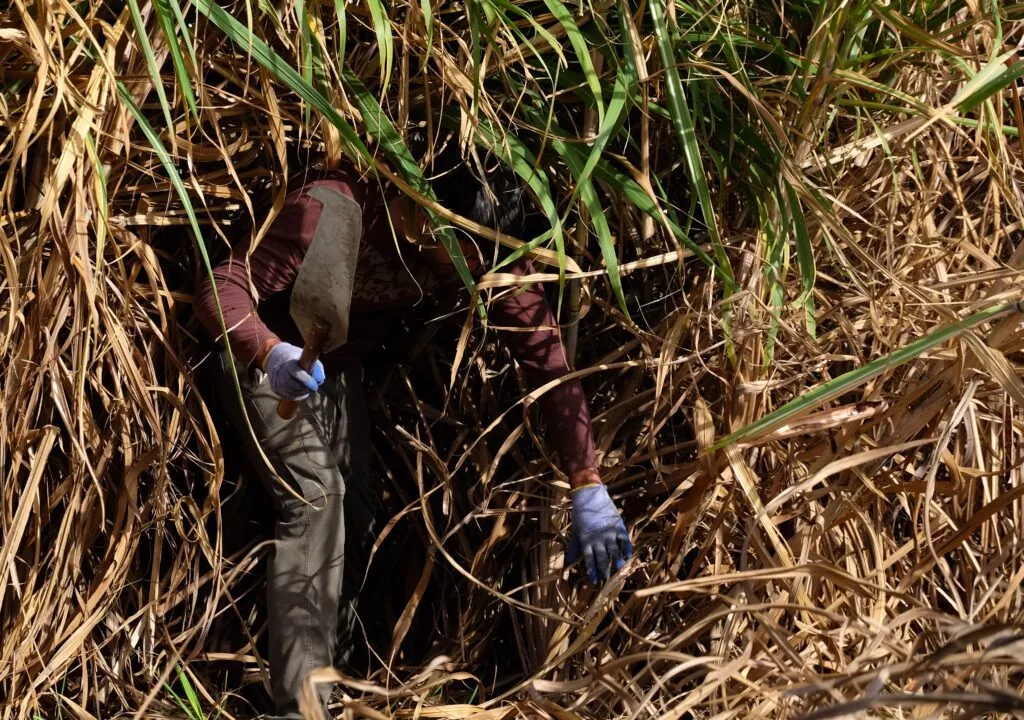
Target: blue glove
287 379
598 533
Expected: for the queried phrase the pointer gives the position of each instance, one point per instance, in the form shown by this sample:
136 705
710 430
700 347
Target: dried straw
853 170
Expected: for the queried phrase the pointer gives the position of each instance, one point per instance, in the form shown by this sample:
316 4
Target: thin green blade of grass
321 77
339 11
993 78
604 241
541 31
305 50
858 79
385 42
972 123
616 108
682 122
856 27
630 52
428 20
582 50
997 22
919 35
576 162
190 693
178 700
628 188
585 188
169 24
184 34
854 378
804 256
774 270
154 72
269 12
476 33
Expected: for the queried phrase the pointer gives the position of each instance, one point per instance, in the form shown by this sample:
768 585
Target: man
323 450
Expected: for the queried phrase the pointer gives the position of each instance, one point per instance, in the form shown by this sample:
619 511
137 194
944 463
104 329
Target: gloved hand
598 533
287 379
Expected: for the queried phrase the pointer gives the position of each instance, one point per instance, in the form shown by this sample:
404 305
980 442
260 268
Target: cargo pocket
296 449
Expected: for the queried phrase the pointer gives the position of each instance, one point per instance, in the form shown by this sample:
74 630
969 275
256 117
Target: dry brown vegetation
863 169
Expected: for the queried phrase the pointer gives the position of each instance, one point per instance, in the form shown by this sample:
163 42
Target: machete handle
286 409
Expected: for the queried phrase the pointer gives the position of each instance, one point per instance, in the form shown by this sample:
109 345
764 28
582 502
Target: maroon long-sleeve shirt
391 275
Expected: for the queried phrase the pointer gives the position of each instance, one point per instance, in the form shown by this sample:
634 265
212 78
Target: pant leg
362 506
306 564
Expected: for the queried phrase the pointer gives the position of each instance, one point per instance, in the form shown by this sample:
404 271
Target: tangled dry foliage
863 557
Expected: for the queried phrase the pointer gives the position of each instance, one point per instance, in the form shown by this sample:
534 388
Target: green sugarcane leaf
848 381
428 20
682 122
993 78
804 256
339 10
385 43
597 218
142 37
577 162
168 24
305 51
549 39
628 187
190 693
582 50
476 34
186 36
520 158
616 108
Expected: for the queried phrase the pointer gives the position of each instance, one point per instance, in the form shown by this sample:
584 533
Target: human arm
240 286
272 267
529 329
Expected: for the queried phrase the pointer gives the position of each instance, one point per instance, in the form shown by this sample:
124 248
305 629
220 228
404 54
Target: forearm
249 337
567 419
531 332
268 269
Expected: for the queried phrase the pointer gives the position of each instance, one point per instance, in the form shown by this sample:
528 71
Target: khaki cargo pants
322 455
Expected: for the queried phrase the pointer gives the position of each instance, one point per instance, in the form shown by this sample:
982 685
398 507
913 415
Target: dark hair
491 195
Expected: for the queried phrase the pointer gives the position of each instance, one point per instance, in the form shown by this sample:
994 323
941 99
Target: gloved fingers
601 560
589 562
614 553
318 373
572 550
625 544
307 380
294 391
288 386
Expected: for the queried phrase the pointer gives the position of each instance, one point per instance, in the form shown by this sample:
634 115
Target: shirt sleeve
272 268
528 327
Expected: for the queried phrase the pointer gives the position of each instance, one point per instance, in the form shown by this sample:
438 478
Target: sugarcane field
511 360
